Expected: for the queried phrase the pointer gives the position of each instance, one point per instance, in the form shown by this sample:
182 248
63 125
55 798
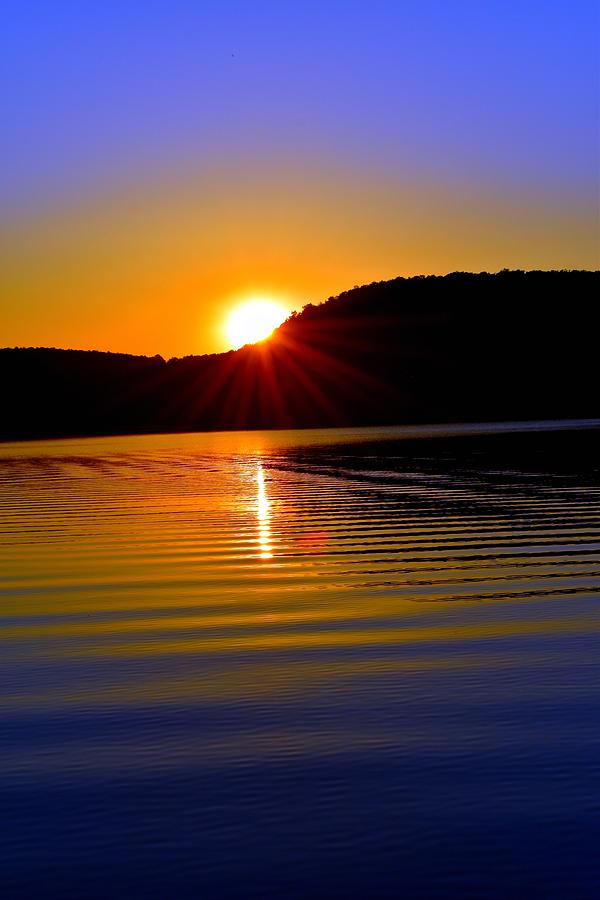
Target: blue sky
500 92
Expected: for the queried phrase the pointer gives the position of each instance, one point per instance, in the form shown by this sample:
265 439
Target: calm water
301 664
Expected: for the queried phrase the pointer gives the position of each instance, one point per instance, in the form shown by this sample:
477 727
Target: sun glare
254 321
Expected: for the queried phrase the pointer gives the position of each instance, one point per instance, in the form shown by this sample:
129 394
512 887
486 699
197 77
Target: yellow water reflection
219 613
264 516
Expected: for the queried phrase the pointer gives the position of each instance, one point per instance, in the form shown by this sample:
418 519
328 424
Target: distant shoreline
383 432
461 347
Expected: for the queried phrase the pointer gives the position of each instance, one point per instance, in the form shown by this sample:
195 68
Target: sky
162 161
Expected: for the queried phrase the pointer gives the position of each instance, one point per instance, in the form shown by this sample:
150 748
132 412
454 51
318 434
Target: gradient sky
162 160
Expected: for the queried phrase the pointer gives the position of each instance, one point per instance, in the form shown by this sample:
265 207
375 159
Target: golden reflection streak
317 616
262 511
300 640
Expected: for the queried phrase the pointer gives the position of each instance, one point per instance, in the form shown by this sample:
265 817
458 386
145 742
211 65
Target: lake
338 663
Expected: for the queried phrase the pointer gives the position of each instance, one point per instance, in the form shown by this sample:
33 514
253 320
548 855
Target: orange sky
156 267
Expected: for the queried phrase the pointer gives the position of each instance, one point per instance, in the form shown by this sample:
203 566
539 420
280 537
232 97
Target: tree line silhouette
459 347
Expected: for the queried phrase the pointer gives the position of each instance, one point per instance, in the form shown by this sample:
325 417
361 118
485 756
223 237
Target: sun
254 321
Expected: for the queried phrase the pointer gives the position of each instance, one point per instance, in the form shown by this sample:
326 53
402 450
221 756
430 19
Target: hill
459 347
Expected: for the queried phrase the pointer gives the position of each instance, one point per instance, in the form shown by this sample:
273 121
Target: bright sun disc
254 321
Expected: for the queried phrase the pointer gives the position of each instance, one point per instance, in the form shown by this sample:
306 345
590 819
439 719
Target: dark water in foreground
302 664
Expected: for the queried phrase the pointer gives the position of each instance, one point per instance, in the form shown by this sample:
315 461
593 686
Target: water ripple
374 647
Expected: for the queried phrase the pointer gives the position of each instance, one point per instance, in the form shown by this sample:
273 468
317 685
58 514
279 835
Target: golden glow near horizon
156 266
254 321
262 510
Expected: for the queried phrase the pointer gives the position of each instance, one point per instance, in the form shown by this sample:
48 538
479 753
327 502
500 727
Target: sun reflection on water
262 510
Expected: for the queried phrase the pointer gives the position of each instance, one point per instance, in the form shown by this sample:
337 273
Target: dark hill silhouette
460 347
